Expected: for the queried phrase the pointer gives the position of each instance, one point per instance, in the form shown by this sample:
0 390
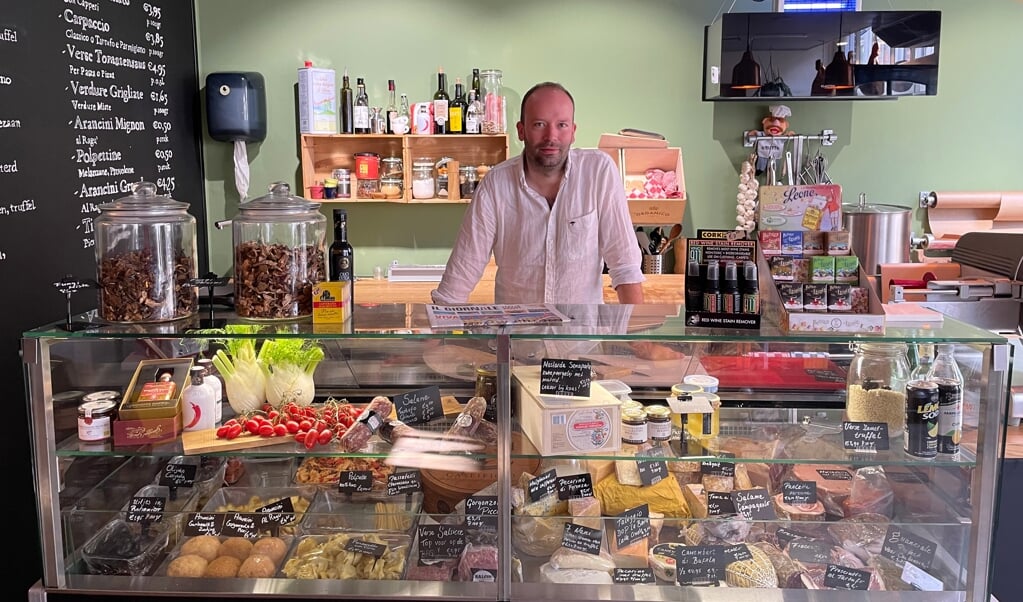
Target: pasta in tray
329 557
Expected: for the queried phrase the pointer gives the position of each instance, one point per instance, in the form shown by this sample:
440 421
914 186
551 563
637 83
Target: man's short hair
541 86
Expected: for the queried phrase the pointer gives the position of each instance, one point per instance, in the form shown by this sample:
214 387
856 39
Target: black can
922 407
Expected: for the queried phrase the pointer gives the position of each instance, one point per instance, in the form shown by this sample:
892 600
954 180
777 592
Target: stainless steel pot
877 233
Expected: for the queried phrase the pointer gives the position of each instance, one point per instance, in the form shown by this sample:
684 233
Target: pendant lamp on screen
839 73
746 73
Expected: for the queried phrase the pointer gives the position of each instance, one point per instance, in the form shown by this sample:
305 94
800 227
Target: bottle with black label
712 288
473 114
731 299
945 371
475 86
360 113
392 106
440 105
457 109
347 104
342 255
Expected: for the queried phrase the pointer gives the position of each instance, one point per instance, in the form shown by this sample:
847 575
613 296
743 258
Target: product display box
566 425
146 432
332 302
736 302
155 390
791 208
656 198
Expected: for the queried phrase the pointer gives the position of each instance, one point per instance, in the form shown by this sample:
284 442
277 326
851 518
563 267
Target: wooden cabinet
323 153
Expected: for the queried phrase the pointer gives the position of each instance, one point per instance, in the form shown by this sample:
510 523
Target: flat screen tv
863 55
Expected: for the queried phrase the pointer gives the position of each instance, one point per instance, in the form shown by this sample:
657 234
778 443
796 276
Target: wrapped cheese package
665 497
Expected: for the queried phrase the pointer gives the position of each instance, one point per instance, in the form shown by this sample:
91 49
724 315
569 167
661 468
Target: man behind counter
551 217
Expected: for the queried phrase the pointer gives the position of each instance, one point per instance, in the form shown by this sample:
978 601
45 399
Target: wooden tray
205 441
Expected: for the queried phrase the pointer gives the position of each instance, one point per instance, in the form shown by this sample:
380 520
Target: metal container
877 233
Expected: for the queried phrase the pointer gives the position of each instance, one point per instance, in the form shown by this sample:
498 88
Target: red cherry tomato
324 437
300 436
266 430
280 430
252 425
234 431
305 425
222 431
292 426
231 422
310 439
272 414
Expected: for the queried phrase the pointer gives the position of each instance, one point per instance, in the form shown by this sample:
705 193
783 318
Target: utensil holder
653 264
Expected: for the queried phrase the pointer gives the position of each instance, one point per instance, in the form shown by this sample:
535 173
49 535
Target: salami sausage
369 420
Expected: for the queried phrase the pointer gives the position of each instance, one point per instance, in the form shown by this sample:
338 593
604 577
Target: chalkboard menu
94 96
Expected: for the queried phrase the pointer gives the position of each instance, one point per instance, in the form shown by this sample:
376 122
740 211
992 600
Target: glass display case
549 491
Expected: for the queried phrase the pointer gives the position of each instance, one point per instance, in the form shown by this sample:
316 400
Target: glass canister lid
279 200
144 201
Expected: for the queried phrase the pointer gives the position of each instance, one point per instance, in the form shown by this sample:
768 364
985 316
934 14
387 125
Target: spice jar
422 178
876 385
467 180
145 256
279 254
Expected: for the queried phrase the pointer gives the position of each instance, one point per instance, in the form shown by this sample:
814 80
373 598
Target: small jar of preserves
658 422
634 426
94 420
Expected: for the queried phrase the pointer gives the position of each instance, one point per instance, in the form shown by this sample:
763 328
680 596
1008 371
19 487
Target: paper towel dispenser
236 106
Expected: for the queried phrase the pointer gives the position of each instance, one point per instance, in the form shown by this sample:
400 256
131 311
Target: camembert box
566 425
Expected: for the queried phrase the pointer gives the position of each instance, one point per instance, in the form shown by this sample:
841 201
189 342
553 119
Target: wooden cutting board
206 442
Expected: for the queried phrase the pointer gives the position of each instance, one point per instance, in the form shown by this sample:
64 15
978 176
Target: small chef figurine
776 123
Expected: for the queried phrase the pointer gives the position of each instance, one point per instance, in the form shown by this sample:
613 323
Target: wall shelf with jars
328 157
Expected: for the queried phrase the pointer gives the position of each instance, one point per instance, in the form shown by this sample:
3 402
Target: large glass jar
145 256
279 254
493 102
876 385
423 186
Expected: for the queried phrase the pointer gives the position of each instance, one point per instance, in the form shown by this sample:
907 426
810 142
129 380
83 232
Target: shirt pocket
580 235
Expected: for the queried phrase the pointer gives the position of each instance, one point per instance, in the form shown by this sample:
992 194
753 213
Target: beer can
921 434
950 415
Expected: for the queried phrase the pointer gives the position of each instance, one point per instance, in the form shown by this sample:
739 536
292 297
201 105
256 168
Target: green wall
635 63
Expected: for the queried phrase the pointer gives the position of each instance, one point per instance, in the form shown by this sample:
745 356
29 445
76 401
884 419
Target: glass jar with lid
467 181
145 256
493 102
876 385
423 186
279 254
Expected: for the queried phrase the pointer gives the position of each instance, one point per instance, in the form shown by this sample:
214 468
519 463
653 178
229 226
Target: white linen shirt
544 254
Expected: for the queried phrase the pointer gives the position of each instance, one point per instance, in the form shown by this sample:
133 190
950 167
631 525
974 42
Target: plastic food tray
249 499
123 548
162 569
177 503
267 472
209 474
343 564
334 511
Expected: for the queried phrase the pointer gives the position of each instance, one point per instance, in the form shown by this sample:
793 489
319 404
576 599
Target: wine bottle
392 106
346 105
342 255
440 104
360 113
456 110
475 82
473 114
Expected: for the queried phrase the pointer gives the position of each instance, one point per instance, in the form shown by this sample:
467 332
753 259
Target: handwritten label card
633 576
738 553
719 503
203 523
441 542
575 486
843 577
799 492
355 481
178 475
632 525
361 546
901 545
717 469
754 504
408 481
786 536
813 551
865 436
281 512
543 485
146 509
699 564
481 512
651 472
419 406
581 538
241 524
569 378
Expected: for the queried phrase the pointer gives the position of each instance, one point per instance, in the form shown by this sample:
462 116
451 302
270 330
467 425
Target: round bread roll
187 565
239 547
206 546
257 566
274 547
223 566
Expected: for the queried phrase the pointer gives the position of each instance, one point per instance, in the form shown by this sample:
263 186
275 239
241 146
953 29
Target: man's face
775 126
547 128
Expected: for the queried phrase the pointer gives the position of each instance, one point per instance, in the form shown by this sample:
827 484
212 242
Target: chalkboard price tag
865 436
481 512
404 482
355 481
210 281
719 503
754 504
830 474
146 509
901 545
178 475
738 553
843 577
699 564
813 551
569 378
786 536
632 525
242 524
419 406
361 546
69 285
581 538
203 523
633 576
543 485
826 376
799 492
441 542
575 486
652 472
718 469
281 512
